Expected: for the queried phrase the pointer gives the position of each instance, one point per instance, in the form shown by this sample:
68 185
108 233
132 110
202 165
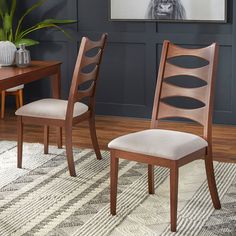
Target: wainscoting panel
123 72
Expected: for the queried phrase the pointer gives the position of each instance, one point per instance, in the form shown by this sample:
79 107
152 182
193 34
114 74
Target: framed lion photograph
169 10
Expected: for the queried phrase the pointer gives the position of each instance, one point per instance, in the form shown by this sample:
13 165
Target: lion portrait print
166 10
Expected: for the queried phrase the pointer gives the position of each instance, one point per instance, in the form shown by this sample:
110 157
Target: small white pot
7 53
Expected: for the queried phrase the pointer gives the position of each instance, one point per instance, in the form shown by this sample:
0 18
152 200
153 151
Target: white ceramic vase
7 53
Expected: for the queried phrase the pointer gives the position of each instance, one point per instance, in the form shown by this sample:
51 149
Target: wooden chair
173 149
64 113
17 92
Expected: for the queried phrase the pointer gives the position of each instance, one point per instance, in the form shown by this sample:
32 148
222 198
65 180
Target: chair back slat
85 93
85 77
91 60
80 76
168 111
164 89
173 70
169 90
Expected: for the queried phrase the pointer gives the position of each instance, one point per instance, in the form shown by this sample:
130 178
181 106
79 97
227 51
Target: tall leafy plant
15 32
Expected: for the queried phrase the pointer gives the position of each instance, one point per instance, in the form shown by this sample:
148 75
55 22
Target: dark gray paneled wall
128 75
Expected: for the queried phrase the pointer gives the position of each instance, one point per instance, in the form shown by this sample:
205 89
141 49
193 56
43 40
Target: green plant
15 32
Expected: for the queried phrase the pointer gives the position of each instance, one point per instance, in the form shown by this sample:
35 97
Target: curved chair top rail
204 94
176 51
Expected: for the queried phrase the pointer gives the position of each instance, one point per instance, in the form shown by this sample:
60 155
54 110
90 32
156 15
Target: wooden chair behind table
17 92
64 113
168 148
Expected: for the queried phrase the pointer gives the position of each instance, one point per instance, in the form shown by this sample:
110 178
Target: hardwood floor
108 128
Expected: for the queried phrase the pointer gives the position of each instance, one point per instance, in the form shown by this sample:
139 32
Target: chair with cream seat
65 113
173 149
15 91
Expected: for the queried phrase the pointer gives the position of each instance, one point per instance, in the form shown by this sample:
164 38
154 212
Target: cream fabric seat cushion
15 88
50 108
166 144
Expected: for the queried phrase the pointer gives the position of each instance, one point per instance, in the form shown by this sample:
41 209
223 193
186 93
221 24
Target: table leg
56 84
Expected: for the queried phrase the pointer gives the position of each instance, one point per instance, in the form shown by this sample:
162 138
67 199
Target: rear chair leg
93 135
17 100
69 151
21 97
211 181
3 97
151 188
59 137
19 141
46 138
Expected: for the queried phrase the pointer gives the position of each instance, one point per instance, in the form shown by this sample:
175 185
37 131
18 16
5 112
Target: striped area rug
42 199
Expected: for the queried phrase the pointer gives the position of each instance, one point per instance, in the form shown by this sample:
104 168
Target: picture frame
211 11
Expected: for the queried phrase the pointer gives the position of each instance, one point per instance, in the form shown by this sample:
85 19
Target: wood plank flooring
108 128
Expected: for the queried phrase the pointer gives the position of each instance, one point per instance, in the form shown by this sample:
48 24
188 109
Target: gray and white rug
42 199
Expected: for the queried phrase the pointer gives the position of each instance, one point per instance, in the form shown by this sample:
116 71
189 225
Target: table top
36 66
13 76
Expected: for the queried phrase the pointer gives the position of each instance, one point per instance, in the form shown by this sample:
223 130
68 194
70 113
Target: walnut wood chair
173 149
64 113
17 92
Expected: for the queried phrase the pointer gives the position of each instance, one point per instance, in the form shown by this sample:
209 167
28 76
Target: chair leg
113 183
59 137
20 97
151 188
46 138
3 96
174 177
19 141
17 100
93 135
211 180
69 151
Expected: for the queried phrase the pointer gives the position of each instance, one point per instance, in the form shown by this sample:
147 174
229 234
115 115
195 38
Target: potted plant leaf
12 33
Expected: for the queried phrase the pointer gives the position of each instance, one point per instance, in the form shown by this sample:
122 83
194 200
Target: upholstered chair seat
15 88
51 109
16 91
166 144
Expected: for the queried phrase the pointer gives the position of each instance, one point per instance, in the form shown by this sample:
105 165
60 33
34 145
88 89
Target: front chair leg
174 177
93 135
211 180
69 150
19 141
46 138
113 183
151 188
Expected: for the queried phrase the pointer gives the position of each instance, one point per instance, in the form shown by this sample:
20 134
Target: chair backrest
204 93
81 77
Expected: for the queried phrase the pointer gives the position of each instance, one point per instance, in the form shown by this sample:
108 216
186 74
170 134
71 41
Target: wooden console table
14 76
